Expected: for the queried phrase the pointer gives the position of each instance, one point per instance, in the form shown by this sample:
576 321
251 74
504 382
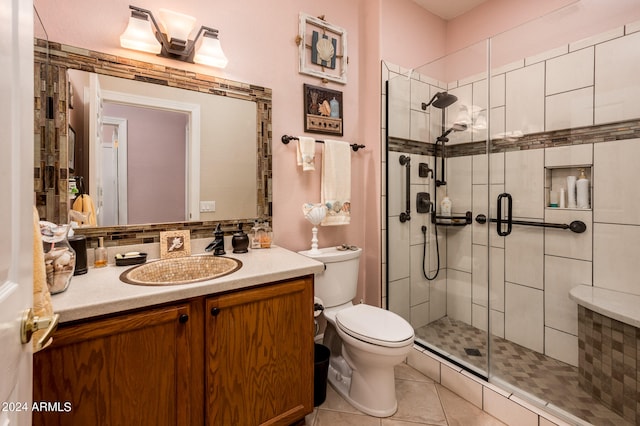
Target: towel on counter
84 204
336 182
306 152
41 296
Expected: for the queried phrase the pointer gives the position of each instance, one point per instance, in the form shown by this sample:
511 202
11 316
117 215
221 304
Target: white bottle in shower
445 208
582 189
571 192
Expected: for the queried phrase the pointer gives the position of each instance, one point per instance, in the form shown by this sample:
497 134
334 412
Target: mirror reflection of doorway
114 171
137 143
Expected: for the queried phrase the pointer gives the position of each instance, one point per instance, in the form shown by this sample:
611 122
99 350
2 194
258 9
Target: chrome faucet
217 245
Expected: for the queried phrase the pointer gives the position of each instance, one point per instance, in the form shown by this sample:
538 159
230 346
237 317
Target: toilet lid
375 325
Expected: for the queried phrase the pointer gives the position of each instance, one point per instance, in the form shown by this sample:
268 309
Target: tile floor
421 401
541 376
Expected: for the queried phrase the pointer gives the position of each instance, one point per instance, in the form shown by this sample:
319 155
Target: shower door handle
405 161
499 220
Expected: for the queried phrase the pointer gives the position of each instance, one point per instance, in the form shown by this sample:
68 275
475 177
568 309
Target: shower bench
609 347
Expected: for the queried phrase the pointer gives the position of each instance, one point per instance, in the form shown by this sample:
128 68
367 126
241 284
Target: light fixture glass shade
139 35
177 25
210 52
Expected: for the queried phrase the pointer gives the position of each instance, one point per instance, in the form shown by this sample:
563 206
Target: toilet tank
338 283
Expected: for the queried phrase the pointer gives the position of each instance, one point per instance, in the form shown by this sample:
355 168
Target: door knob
32 323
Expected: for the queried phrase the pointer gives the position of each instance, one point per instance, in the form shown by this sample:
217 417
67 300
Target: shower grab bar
405 160
576 226
286 139
499 220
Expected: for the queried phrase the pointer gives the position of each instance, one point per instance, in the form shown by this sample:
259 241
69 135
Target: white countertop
624 307
100 291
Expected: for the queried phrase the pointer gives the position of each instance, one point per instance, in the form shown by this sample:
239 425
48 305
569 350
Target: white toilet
366 342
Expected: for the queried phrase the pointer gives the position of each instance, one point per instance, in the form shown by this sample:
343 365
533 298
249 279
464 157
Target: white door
16 191
109 209
116 167
95 145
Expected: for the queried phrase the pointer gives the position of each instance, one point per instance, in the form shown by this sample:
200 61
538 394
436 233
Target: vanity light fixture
174 43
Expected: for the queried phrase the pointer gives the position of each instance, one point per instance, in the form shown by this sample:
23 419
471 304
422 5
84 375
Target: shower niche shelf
556 178
453 220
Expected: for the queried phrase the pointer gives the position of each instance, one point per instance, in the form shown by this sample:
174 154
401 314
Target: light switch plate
207 206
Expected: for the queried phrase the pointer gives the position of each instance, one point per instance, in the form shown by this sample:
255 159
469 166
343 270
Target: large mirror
217 157
153 158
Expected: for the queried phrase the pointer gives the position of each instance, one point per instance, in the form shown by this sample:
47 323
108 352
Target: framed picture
175 244
322 110
322 49
71 149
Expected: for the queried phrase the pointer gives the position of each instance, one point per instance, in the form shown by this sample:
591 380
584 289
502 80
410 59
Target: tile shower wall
531 271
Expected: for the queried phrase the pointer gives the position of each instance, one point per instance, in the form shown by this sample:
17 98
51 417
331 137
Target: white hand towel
306 152
336 182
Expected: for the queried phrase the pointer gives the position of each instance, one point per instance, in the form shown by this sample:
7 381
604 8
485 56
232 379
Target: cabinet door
259 345
126 370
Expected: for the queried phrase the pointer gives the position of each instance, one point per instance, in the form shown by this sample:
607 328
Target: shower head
440 100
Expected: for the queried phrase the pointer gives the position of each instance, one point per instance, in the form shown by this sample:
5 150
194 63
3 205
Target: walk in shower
501 128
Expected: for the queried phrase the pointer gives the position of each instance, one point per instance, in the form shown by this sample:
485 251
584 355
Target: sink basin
183 270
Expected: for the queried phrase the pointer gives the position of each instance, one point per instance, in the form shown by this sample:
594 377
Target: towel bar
286 139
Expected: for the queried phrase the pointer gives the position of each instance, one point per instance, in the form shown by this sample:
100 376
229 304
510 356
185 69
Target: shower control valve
424 170
423 202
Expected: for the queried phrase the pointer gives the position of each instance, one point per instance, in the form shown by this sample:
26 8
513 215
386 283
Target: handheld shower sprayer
456 127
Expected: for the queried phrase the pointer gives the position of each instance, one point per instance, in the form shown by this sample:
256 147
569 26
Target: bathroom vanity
234 350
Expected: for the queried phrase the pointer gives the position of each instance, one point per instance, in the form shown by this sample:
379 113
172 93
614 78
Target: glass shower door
437 258
560 105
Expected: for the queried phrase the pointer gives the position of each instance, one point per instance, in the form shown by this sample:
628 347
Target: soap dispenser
240 241
582 189
266 236
255 235
100 254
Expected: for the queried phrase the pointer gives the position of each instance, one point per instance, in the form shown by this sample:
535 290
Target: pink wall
494 17
410 36
517 32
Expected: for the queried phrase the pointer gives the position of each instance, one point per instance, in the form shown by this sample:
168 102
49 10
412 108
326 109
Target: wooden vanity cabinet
135 368
259 355
240 358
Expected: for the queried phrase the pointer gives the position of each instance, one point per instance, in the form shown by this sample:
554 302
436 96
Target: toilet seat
374 325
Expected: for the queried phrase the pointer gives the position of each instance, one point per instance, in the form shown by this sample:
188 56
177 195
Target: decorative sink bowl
182 270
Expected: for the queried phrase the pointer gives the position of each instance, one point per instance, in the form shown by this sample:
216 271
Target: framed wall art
322 110
175 244
322 49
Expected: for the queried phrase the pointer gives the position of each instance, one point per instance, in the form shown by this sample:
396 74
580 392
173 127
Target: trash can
320 372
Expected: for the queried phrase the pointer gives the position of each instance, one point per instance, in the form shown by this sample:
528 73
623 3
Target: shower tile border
629 129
